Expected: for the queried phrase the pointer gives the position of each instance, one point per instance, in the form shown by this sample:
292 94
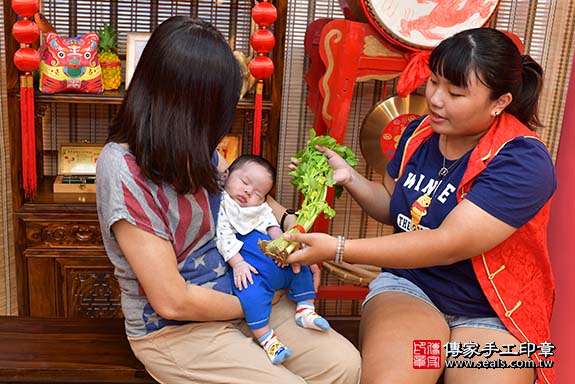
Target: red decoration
27 60
25 31
263 40
264 14
516 40
25 8
415 73
299 228
261 67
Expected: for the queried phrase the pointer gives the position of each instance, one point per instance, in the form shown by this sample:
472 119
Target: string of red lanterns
27 60
264 14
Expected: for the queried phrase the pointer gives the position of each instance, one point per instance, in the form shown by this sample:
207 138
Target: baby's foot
276 351
306 317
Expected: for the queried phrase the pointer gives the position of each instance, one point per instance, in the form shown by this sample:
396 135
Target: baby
244 212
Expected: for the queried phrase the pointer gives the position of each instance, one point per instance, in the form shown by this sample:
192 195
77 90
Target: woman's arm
373 197
153 261
466 232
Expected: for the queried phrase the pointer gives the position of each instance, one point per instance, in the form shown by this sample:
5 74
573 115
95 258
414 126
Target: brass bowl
383 125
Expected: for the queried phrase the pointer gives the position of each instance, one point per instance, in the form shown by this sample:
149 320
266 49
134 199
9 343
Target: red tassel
256 147
28 135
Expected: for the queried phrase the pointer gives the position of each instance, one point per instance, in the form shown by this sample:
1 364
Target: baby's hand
242 274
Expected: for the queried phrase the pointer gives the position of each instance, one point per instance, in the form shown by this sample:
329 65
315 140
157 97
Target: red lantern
25 31
264 14
26 8
27 60
261 67
263 40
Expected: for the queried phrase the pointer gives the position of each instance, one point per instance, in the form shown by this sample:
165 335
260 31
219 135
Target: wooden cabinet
61 265
63 270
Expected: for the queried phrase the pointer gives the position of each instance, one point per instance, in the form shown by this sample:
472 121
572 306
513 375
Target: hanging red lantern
261 67
263 40
25 8
264 14
25 31
27 60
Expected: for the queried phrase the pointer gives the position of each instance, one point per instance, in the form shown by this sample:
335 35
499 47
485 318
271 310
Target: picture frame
230 147
135 43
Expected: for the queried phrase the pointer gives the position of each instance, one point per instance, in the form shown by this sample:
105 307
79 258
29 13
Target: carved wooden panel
63 234
90 289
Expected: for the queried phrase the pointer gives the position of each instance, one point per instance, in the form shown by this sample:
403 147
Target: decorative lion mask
70 64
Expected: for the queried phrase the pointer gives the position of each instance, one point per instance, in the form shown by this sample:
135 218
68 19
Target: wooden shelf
116 97
47 201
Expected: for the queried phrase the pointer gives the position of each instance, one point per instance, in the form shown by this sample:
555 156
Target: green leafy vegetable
312 177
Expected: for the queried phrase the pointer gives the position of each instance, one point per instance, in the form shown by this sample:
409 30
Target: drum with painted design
420 24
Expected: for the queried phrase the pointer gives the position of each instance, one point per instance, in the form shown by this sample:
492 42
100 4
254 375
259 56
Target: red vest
516 275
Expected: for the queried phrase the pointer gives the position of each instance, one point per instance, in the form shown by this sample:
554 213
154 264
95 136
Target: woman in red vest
466 281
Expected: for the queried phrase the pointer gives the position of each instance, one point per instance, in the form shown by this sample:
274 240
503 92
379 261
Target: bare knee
390 323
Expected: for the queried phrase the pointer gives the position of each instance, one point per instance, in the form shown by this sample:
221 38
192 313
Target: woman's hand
342 171
316 247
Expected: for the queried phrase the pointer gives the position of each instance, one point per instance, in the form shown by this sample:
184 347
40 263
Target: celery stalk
312 177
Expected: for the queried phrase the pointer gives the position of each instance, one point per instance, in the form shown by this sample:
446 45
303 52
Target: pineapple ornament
109 60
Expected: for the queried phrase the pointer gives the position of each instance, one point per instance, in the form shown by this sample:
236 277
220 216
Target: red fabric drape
562 244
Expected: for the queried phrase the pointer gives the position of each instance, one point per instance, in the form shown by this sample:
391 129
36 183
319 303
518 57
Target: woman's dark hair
180 103
497 63
244 159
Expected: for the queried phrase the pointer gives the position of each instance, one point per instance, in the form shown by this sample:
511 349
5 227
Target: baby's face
249 184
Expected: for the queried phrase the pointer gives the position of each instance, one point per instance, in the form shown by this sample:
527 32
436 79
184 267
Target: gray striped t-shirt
187 221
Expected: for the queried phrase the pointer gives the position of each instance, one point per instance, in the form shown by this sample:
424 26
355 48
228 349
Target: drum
383 125
422 24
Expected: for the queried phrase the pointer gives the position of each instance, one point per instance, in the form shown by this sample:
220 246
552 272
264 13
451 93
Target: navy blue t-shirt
516 184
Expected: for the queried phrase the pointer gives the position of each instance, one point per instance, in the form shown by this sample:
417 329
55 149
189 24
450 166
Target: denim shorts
388 282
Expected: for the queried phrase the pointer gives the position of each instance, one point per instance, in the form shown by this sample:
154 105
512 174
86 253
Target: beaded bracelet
339 250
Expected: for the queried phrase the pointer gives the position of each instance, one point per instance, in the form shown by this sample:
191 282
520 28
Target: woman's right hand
342 171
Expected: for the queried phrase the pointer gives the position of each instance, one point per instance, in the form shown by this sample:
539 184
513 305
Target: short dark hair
497 63
245 159
180 103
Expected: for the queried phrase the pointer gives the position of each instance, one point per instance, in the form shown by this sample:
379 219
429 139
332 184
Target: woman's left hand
316 248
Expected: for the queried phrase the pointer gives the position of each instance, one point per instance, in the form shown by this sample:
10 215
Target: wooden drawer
63 234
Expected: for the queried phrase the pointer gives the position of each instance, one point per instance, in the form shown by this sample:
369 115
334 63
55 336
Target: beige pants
225 353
